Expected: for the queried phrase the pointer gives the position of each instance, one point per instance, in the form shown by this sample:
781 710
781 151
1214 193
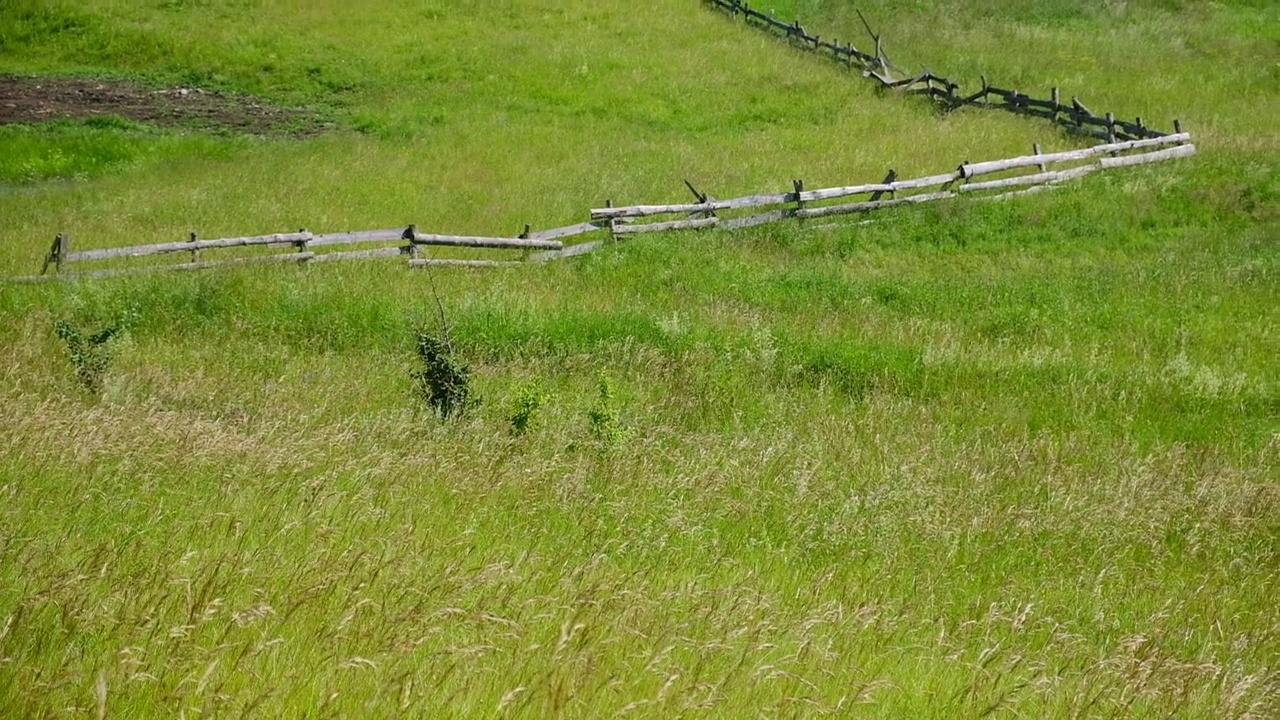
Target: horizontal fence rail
1072 116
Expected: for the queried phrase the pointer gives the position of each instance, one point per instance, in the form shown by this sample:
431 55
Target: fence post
409 234
1056 104
890 177
302 245
798 186
1111 127
524 235
703 199
1036 147
195 251
613 234
61 246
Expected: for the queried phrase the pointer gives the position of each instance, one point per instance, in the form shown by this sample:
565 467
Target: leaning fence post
57 252
891 177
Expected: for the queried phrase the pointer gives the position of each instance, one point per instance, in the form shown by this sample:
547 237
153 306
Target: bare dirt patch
36 100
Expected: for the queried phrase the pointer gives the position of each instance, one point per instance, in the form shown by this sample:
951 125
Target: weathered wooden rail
1073 116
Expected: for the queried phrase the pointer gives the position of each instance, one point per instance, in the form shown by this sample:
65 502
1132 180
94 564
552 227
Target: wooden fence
990 179
1073 117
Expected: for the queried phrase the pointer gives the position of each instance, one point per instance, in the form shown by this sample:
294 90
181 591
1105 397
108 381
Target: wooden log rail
1073 117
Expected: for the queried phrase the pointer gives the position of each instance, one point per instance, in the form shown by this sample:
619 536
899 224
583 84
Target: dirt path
35 100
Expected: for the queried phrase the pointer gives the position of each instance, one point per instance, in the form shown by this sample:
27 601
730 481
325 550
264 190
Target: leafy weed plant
529 401
603 417
91 355
444 381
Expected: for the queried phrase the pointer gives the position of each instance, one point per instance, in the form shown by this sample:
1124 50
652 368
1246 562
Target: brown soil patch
35 100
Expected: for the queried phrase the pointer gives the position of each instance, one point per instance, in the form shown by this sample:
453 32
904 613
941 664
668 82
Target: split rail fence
308 248
990 179
1073 117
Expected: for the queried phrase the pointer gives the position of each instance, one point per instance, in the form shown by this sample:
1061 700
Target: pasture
974 459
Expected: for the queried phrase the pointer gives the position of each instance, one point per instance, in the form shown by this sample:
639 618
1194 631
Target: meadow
974 459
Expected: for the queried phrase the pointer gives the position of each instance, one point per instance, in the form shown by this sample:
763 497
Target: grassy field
975 459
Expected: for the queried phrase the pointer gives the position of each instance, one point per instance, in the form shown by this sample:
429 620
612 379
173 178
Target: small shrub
603 417
443 382
529 399
90 355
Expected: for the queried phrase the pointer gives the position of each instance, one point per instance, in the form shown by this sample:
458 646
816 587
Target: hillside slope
973 458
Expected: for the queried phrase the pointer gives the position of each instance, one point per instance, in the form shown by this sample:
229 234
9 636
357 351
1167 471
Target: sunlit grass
972 459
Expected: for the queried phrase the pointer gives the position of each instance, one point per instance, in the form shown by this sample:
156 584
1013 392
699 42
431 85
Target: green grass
974 459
